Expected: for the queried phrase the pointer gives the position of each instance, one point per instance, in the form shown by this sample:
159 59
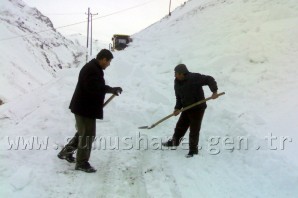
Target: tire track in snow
169 174
160 180
121 176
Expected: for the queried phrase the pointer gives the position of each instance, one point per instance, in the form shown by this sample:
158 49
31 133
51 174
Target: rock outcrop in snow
31 50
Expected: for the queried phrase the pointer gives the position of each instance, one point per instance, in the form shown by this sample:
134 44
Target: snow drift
250 47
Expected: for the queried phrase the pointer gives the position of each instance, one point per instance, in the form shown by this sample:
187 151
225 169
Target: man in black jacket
189 90
87 105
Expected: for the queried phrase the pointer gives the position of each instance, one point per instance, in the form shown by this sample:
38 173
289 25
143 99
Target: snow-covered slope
250 47
30 61
80 39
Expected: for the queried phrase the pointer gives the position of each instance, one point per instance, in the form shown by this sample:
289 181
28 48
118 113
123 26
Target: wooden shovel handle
200 102
109 100
184 109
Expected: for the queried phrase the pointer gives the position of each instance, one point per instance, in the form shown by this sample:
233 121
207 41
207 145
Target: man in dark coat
189 90
87 105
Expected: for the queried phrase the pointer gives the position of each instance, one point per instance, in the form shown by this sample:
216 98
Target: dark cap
181 68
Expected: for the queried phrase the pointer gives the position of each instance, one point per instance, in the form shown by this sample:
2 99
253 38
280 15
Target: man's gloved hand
176 112
214 95
116 91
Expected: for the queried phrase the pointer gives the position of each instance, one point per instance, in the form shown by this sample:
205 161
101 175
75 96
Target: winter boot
169 143
67 155
192 153
85 166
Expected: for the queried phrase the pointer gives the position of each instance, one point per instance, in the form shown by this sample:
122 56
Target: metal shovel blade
147 127
143 127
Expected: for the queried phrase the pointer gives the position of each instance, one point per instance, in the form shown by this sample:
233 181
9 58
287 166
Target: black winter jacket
88 98
190 90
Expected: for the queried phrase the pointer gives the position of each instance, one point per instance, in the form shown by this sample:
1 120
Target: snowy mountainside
249 47
32 60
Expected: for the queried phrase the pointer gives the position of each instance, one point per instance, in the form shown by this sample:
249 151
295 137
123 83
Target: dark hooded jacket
89 95
190 90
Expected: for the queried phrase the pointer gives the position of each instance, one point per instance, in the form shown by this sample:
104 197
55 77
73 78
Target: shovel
184 109
109 100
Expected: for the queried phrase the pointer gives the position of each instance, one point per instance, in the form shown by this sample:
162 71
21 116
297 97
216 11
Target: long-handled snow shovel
184 109
109 100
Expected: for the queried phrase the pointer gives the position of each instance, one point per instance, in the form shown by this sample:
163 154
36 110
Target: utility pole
90 15
88 26
87 33
91 34
170 8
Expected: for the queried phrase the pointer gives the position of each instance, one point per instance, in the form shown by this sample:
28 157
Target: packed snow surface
248 138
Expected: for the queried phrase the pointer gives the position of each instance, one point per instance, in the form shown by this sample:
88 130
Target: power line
114 13
124 10
78 13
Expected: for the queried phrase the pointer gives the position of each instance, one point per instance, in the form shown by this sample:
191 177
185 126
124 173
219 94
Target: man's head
104 58
180 71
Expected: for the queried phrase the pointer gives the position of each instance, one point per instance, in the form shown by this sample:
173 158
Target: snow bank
249 47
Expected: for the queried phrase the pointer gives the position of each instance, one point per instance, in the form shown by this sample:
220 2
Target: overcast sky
64 12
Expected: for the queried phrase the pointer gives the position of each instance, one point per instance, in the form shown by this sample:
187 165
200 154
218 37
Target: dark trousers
191 119
83 139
